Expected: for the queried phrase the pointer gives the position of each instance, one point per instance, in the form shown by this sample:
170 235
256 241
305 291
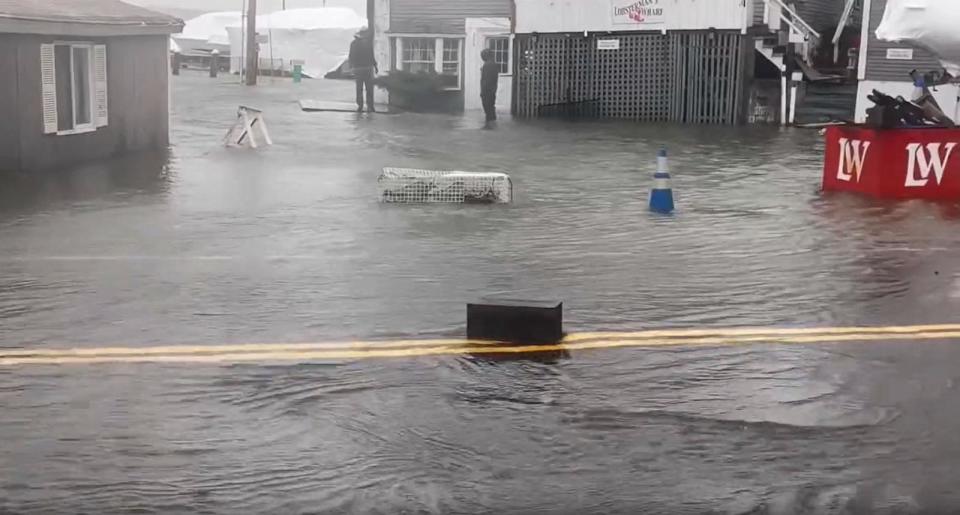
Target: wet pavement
209 245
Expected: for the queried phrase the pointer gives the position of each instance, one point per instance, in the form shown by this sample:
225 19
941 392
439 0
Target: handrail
847 10
791 24
796 18
844 19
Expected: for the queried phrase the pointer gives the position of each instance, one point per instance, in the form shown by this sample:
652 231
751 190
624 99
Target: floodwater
209 245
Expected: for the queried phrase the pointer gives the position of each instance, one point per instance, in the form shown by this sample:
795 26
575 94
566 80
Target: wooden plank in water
327 106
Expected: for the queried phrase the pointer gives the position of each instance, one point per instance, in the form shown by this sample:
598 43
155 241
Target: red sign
893 163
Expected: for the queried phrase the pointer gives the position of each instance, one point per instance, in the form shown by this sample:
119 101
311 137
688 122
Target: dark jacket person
364 66
489 77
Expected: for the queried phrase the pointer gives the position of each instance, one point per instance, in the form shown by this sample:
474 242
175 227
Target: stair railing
777 13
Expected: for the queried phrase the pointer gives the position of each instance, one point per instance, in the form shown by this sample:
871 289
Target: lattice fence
684 76
707 72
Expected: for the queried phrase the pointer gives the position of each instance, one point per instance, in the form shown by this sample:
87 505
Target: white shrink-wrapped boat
930 24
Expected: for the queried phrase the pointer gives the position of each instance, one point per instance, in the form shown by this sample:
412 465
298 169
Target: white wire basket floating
412 186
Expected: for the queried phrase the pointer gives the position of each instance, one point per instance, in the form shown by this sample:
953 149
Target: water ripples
288 246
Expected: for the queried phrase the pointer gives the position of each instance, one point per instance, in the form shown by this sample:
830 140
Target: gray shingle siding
822 15
758 8
442 16
883 69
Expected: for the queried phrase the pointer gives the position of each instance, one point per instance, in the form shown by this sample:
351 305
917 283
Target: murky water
210 245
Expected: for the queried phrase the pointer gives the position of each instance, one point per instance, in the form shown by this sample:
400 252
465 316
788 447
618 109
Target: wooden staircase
784 29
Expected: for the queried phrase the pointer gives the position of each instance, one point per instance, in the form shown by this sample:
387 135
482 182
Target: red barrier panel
893 163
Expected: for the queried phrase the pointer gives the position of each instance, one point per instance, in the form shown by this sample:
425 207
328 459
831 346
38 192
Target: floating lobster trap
412 186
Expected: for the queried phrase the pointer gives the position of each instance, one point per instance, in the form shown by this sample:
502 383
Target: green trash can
297 71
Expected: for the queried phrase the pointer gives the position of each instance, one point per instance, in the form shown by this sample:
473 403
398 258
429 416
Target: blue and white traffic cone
661 196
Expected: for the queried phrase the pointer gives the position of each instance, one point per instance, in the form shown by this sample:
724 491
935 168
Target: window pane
451 50
501 52
419 67
393 54
451 63
81 84
419 55
61 55
451 68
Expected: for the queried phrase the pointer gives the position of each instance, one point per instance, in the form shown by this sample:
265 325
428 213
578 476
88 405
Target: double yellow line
294 352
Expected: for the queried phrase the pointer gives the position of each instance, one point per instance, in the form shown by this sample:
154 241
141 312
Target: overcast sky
236 5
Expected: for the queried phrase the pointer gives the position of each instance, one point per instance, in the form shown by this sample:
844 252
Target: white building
689 61
547 16
886 66
446 37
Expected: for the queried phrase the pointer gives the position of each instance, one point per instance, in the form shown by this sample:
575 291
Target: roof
83 17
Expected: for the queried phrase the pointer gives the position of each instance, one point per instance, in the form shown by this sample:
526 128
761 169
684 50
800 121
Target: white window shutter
100 84
48 84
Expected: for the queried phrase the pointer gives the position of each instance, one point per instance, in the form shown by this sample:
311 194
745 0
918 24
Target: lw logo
926 159
853 153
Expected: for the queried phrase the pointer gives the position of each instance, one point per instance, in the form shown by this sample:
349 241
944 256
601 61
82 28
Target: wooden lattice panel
692 77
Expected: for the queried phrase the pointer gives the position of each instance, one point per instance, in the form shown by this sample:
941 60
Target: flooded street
209 245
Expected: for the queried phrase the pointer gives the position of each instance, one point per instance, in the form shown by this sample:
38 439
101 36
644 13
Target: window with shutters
74 81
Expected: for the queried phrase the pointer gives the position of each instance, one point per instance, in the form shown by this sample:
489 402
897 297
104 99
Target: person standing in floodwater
489 77
364 66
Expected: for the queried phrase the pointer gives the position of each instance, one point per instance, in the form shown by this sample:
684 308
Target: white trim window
500 45
440 55
451 62
418 55
74 85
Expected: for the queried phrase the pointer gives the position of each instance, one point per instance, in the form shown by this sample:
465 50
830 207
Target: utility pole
253 56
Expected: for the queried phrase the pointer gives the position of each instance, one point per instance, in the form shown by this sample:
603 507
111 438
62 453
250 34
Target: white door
487 33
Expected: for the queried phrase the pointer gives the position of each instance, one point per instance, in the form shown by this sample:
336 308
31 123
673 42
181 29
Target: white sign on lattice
608 44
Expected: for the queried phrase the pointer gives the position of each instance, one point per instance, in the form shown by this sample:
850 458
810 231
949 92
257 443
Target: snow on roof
211 26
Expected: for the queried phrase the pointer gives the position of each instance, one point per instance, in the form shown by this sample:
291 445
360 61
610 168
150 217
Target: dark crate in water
515 321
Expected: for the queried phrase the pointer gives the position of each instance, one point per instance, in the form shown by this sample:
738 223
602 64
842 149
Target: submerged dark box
515 320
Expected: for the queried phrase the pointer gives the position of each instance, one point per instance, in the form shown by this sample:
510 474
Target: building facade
689 61
82 80
822 15
886 66
446 37
647 60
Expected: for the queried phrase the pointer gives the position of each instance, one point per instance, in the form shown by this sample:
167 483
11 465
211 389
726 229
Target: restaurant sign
637 13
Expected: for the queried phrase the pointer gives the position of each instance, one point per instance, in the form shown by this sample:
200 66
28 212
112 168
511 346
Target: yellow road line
743 333
768 331
242 348
273 355
459 342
